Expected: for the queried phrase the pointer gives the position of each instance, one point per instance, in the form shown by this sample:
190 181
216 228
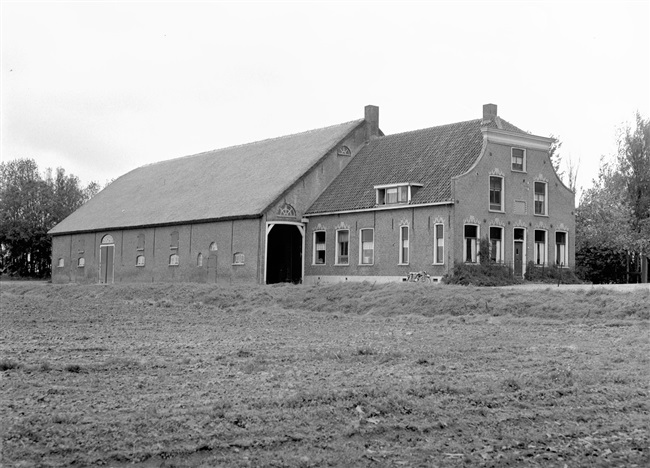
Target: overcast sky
100 88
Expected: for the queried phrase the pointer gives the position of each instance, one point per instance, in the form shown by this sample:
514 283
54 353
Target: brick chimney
372 121
489 112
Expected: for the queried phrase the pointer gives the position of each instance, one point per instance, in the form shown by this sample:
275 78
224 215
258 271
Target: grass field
343 375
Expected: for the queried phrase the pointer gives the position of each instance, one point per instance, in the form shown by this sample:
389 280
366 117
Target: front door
519 253
106 257
212 267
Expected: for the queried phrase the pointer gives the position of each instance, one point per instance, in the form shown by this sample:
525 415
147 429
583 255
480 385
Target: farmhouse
340 203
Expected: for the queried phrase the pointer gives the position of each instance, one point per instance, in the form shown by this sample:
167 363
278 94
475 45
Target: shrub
484 274
550 274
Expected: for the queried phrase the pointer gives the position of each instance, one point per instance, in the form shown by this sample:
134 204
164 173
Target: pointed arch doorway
107 260
285 245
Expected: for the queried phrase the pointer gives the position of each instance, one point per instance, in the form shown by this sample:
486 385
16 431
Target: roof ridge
266 140
431 128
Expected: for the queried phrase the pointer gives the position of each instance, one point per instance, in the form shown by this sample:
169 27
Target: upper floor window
518 159
561 252
404 245
140 245
319 248
470 246
396 193
173 242
540 247
540 198
367 242
213 247
342 247
496 244
439 243
496 193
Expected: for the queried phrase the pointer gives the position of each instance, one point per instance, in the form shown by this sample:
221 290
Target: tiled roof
430 157
232 182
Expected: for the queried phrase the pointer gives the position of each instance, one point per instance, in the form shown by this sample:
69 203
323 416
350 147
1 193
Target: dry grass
364 375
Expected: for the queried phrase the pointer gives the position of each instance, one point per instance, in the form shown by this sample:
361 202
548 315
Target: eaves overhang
380 208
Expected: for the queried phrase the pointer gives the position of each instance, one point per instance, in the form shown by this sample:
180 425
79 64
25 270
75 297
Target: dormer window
394 194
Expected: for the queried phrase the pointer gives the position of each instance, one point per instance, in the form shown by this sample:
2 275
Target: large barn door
106 260
284 244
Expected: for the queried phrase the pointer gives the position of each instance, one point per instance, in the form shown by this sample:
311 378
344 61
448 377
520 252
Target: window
108 239
396 193
199 260
518 159
496 244
139 261
342 247
140 242
540 198
213 247
561 254
367 242
439 243
496 189
173 244
540 247
238 258
174 260
471 243
319 248
404 245
61 263
81 262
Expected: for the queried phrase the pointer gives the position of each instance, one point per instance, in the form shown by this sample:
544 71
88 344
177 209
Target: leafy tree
613 219
30 206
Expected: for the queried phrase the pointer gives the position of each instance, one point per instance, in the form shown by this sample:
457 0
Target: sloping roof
430 157
240 181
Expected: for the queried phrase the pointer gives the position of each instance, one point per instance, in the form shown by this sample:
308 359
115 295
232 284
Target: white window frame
338 257
501 251
238 258
60 263
404 245
81 262
137 261
174 260
512 150
536 259
199 260
438 259
315 251
564 261
403 189
502 207
545 213
361 249
477 239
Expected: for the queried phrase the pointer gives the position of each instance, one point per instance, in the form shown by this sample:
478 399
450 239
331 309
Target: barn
340 203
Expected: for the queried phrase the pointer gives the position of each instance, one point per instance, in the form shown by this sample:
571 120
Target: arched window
213 247
199 260
60 263
174 260
139 261
238 258
108 239
81 262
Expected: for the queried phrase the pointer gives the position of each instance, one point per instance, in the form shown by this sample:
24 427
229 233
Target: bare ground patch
365 375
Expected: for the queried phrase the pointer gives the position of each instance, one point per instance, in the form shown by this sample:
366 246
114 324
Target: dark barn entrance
284 254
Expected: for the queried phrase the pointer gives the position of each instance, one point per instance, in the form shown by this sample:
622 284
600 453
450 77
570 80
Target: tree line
31 204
